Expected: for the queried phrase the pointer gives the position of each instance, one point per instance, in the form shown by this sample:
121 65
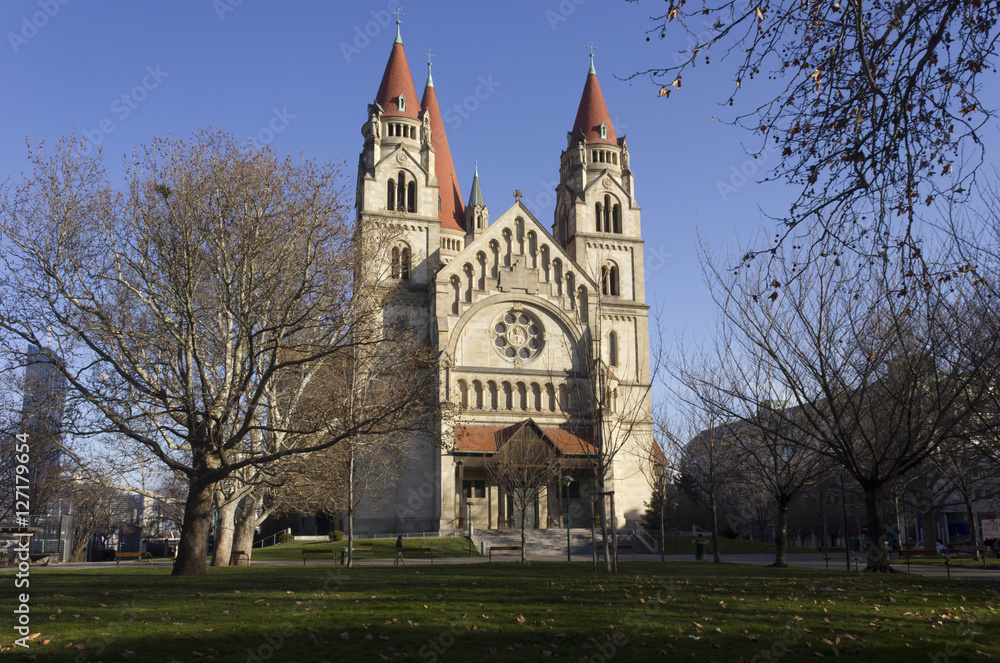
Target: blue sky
299 75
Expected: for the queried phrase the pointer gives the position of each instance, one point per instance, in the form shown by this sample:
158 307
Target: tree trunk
226 530
713 507
524 515
878 554
604 531
781 535
971 511
246 522
350 507
193 547
614 534
593 529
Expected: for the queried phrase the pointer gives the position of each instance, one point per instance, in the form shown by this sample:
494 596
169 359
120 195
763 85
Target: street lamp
568 480
468 516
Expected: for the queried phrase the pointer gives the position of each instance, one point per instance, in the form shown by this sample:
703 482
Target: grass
505 612
685 545
381 548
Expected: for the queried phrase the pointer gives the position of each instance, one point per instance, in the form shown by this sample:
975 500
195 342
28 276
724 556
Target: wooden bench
626 547
318 551
976 552
908 556
236 556
137 556
505 551
830 553
425 552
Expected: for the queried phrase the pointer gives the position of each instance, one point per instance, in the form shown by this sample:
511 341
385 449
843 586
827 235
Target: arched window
550 394
536 397
612 349
404 263
411 197
508 397
609 280
563 398
402 102
607 214
390 203
395 262
616 219
522 396
401 193
492 387
604 130
600 215
477 388
456 286
463 394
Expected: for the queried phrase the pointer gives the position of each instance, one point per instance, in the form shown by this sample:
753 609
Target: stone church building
528 322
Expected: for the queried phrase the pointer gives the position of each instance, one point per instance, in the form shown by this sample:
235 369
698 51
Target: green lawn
684 545
381 548
505 612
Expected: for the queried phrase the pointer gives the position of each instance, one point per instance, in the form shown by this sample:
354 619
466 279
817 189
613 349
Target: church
540 334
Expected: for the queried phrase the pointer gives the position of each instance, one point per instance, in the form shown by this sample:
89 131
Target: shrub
286 538
728 533
337 535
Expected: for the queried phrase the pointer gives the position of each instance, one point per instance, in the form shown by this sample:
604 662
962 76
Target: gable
516 239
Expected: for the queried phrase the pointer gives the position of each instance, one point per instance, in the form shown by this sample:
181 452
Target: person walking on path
399 551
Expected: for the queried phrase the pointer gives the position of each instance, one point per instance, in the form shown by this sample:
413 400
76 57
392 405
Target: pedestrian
399 551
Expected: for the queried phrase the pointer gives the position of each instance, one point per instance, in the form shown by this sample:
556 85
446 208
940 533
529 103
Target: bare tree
877 369
97 509
522 468
194 308
874 106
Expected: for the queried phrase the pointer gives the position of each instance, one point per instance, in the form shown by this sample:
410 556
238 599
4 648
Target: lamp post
847 539
468 517
567 480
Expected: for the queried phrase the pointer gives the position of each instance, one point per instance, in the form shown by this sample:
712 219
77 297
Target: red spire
592 113
452 212
397 81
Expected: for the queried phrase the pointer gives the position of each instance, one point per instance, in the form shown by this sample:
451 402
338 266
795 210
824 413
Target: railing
260 542
646 538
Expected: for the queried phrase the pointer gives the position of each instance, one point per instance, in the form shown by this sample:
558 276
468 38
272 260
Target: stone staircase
548 541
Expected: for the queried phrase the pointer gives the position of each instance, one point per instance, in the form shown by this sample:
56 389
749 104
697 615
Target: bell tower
597 216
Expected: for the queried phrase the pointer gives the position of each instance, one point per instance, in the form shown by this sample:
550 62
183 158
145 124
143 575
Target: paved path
795 560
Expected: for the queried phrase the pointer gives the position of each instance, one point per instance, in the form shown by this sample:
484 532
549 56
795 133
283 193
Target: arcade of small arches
500 395
482 274
609 215
401 195
604 156
401 262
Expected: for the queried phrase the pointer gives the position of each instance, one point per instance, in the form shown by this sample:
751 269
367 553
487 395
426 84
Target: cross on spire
517 195
430 79
592 49
399 19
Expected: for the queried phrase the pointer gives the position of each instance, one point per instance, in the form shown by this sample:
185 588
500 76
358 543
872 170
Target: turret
477 216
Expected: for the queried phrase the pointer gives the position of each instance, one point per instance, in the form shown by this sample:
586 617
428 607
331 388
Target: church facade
540 333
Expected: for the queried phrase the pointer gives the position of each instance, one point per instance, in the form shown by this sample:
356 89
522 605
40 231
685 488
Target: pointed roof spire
430 79
593 114
452 213
397 96
399 20
476 196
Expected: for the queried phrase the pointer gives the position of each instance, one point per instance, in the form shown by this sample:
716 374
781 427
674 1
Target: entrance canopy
490 439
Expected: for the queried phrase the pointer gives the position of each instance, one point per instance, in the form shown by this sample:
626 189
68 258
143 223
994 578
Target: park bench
236 556
624 547
332 551
137 556
832 553
976 552
421 552
504 551
908 556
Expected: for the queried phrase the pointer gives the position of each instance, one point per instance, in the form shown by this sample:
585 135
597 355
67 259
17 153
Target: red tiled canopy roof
591 113
396 81
452 212
489 439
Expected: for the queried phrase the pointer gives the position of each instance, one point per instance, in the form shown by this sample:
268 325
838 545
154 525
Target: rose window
517 336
